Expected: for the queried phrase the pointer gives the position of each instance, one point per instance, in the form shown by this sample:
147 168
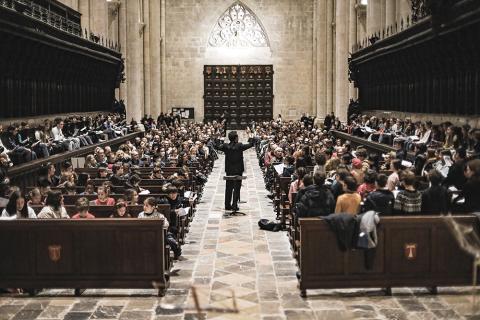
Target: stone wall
289 27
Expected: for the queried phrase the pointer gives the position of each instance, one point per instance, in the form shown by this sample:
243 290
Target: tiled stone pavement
225 254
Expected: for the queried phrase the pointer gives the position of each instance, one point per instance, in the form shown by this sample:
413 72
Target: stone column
99 18
122 42
321 36
330 47
134 61
112 21
341 58
362 22
352 40
84 9
155 57
374 17
163 63
390 12
147 63
403 9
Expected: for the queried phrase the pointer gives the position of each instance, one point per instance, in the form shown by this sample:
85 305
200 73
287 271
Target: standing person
233 167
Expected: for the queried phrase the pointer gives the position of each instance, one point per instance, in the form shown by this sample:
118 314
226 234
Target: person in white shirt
17 208
54 208
58 136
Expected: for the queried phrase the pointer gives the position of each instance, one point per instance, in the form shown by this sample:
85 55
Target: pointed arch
238 26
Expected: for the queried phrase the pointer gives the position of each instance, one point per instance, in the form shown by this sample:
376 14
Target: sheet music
279 168
183 211
406 163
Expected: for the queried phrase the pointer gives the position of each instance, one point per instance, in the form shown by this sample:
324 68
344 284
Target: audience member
409 200
53 206
349 201
17 208
82 206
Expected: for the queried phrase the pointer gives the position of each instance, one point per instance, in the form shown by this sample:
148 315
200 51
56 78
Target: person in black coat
456 176
435 199
470 190
381 200
233 167
315 200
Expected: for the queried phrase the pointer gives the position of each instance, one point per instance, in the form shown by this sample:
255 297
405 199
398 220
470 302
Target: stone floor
231 256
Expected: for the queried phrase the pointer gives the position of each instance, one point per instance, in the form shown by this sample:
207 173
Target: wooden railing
27 174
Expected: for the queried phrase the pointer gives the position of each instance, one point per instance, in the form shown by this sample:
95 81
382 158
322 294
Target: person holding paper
233 167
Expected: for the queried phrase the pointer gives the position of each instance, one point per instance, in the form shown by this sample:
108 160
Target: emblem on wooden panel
243 69
410 251
234 70
209 70
55 252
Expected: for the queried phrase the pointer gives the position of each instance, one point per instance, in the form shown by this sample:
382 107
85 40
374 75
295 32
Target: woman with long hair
121 210
53 206
17 208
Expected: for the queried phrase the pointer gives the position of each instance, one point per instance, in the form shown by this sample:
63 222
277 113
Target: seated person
320 162
54 208
17 208
134 183
435 199
157 173
357 171
150 211
120 210
82 206
368 184
349 201
381 200
102 198
131 196
89 188
470 190
456 176
36 197
297 184
394 178
69 188
117 178
409 200
315 200
289 167
102 173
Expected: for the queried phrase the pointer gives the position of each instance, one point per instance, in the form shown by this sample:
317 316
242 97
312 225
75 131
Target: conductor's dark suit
233 167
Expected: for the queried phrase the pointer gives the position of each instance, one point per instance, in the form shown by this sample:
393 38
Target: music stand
235 212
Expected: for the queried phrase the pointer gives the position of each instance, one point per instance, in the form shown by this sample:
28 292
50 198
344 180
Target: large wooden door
243 92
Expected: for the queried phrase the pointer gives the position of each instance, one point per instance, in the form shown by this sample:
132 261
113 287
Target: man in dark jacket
435 199
316 200
456 176
381 200
233 167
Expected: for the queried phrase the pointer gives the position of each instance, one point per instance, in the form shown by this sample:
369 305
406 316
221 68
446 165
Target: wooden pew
84 254
105 211
71 199
415 251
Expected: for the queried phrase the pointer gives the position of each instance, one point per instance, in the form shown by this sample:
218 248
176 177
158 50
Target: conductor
233 167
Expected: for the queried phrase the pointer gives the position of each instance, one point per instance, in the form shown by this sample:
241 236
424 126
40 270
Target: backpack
267 225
